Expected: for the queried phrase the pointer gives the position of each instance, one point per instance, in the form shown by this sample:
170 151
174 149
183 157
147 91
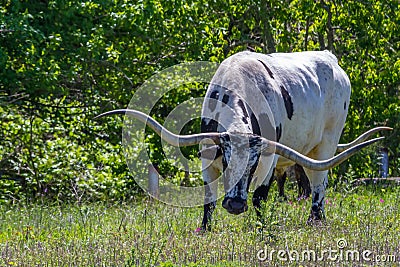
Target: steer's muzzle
234 205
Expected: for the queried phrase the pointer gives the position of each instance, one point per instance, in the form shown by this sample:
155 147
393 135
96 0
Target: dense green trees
63 62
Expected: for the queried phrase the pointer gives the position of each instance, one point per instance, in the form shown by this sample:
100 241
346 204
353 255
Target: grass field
361 229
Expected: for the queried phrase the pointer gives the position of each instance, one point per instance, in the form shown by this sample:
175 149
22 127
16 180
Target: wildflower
199 230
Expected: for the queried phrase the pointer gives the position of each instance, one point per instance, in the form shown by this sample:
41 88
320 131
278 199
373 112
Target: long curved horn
169 137
361 138
312 164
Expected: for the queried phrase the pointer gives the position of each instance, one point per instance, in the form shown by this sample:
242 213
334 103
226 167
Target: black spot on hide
225 99
214 95
210 127
345 105
245 114
262 126
254 125
241 105
213 100
278 132
268 70
288 102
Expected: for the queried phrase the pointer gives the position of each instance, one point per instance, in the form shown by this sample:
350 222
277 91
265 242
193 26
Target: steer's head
240 154
239 159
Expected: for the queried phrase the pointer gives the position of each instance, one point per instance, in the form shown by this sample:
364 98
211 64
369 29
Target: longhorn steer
308 96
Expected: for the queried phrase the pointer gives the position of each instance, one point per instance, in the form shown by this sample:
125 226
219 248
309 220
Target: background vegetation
63 62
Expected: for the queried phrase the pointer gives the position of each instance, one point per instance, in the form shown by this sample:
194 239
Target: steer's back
308 94
320 93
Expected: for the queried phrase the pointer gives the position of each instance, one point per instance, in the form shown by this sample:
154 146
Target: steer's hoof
316 219
314 222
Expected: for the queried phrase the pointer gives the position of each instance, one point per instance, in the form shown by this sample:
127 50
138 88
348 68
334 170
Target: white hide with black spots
308 95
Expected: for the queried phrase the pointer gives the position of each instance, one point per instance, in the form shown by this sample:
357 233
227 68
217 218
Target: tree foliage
63 62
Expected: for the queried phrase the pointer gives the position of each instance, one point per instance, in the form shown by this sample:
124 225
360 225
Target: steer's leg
303 183
319 179
210 174
280 180
208 210
261 193
318 183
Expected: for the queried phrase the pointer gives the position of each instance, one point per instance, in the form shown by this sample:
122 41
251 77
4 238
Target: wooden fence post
154 187
384 162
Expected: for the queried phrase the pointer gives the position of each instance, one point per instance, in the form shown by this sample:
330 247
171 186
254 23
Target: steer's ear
211 153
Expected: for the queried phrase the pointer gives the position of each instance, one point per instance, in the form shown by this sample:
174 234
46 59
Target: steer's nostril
226 204
237 206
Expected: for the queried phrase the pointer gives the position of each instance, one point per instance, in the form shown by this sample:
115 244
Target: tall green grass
149 233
